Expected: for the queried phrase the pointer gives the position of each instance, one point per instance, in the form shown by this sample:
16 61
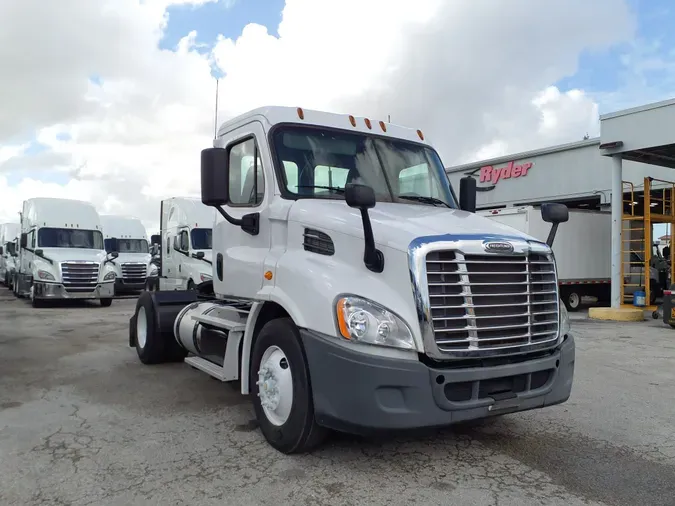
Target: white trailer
185 254
9 232
582 250
359 301
61 253
127 236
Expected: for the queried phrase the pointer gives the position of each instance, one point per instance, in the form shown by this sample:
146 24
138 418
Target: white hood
397 225
143 258
74 254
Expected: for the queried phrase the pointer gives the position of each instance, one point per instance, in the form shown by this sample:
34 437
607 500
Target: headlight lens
367 322
564 319
110 275
205 277
45 276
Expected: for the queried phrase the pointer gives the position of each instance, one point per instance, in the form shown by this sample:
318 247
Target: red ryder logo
490 174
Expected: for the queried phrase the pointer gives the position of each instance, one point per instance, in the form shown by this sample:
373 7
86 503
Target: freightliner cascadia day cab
61 253
9 233
353 291
186 229
127 236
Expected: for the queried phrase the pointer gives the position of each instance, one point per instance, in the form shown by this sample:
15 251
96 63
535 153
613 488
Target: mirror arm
551 234
372 257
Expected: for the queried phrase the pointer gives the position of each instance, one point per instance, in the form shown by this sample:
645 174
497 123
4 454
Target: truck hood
74 254
397 225
143 258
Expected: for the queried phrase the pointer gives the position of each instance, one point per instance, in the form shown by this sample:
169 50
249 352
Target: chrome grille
481 302
79 276
133 272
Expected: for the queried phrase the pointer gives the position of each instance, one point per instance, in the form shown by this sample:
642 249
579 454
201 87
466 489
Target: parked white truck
127 236
363 305
61 254
582 253
186 231
9 232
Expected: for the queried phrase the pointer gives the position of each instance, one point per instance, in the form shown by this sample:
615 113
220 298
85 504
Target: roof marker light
383 126
301 113
352 120
420 135
368 124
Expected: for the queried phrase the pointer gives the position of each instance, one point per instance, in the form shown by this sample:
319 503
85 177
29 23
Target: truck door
169 280
181 248
239 257
27 253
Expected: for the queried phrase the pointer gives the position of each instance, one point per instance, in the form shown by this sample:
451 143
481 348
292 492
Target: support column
617 214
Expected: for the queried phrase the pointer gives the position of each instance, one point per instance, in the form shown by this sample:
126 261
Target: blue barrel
639 299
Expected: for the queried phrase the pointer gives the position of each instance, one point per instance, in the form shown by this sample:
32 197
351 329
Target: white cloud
475 76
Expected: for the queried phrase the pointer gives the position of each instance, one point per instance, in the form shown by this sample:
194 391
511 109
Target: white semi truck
360 304
582 253
9 232
61 254
127 236
186 232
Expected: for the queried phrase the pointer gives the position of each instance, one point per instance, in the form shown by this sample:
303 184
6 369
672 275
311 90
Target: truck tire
106 302
153 346
572 299
191 285
278 364
653 291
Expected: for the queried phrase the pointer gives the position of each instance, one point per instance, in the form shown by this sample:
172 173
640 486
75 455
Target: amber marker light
342 323
301 113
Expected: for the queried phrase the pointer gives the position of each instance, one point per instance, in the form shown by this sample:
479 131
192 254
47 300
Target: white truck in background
9 233
359 304
61 253
185 252
127 236
582 252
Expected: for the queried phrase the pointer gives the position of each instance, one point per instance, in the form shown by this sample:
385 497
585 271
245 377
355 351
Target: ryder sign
490 174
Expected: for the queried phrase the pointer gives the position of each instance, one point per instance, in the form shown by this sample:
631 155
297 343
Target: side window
291 172
247 181
184 242
31 239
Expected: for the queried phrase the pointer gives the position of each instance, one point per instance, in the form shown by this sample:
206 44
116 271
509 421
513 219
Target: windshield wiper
426 200
332 188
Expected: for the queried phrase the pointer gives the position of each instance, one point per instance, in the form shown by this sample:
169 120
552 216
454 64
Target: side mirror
38 252
156 239
359 196
215 177
467 194
555 214
114 246
24 240
199 255
362 197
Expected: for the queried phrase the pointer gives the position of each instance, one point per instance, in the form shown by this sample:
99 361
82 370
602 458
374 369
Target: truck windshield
127 246
69 238
318 163
201 238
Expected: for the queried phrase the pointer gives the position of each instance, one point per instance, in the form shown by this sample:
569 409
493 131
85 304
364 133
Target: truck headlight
205 277
564 319
109 276
364 321
45 276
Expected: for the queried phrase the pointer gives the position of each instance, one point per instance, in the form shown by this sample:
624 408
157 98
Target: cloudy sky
112 100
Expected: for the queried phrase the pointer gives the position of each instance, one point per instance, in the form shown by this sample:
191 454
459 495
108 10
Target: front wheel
106 302
282 395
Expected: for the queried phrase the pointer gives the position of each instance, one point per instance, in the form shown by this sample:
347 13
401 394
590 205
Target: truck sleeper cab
61 253
8 235
352 291
186 231
127 237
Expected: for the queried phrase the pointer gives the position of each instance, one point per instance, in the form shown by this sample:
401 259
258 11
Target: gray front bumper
58 291
376 393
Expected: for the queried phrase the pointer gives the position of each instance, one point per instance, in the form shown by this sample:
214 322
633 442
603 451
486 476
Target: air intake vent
318 242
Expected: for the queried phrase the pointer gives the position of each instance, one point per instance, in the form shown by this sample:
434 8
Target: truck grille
79 276
133 272
481 302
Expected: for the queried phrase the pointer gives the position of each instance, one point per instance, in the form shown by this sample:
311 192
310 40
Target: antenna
388 118
215 121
